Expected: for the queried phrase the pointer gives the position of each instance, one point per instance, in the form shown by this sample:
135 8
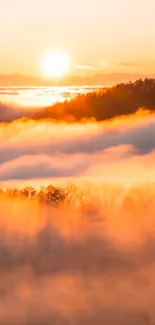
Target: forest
107 103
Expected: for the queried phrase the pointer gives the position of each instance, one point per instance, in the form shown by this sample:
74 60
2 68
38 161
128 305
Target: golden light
55 64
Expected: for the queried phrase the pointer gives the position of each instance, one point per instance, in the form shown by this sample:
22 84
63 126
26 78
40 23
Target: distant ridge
91 80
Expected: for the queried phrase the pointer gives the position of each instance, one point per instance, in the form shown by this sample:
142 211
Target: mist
80 251
58 265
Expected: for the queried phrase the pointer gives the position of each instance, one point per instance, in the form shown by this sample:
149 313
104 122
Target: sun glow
55 64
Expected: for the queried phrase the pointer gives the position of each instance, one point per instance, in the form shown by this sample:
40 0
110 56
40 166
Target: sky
114 36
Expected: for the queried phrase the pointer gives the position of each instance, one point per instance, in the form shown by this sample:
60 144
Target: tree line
106 103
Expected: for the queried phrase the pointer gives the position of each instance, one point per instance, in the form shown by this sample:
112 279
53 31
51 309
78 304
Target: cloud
12 112
9 113
31 149
39 166
85 67
126 64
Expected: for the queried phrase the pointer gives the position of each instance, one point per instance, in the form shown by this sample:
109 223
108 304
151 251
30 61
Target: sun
55 64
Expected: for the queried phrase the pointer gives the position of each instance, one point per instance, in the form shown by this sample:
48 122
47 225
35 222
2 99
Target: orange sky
100 36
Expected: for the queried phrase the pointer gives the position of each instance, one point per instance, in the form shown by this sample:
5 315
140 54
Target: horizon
100 79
